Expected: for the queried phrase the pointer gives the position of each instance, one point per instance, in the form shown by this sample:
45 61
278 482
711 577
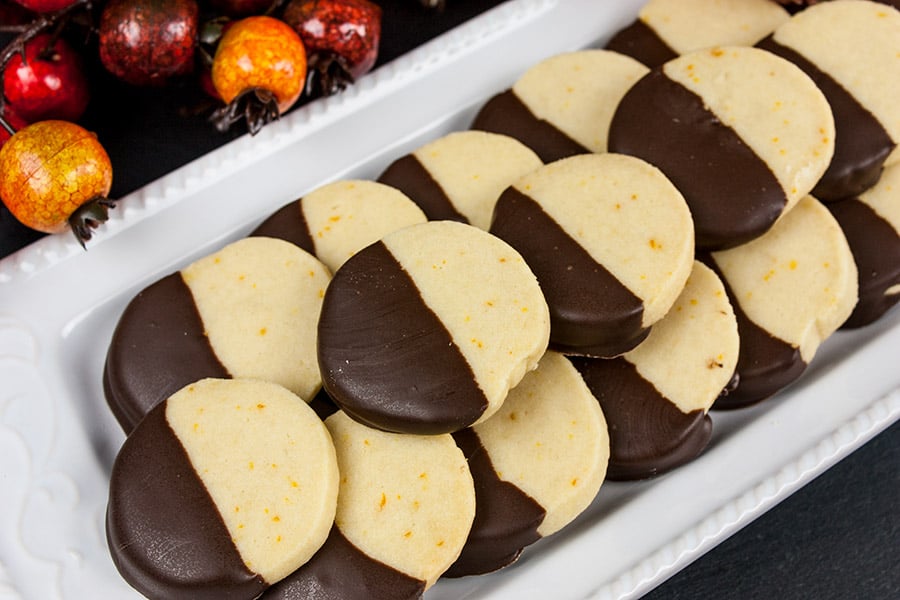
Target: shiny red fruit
341 38
55 175
48 83
46 6
148 42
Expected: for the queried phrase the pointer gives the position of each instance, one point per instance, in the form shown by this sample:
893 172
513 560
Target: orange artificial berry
55 175
259 70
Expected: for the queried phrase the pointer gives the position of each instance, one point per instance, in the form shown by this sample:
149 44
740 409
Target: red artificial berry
259 71
341 38
147 42
55 175
48 82
46 6
13 120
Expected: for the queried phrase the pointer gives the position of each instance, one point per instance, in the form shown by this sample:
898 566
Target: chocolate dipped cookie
337 219
426 330
742 133
611 242
225 487
459 176
871 223
665 29
562 105
791 289
405 507
537 464
247 310
656 398
850 49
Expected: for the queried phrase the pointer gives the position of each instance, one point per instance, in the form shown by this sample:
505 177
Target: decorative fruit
55 175
48 82
259 70
147 42
46 6
341 39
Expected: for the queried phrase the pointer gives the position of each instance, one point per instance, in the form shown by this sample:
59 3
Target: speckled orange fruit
48 170
260 52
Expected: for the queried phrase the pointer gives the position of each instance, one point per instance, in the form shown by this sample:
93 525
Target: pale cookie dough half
459 176
665 29
226 487
851 49
742 133
657 396
791 289
248 310
871 223
537 464
405 507
611 241
563 105
336 220
427 330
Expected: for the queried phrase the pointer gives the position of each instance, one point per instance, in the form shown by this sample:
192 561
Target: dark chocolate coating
876 250
648 435
642 43
288 224
765 364
386 358
165 534
158 347
732 193
341 571
506 114
411 177
506 518
591 312
861 144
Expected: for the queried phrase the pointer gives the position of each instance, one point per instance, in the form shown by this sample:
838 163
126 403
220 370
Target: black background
838 537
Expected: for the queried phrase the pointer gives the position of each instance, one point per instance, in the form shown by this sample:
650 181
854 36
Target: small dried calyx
257 106
88 217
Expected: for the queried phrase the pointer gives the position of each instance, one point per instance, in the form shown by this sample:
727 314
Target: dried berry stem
5 124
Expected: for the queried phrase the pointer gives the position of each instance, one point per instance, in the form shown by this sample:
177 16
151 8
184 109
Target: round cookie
742 133
562 105
405 506
222 489
791 289
665 29
338 219
247 310
611 242
537 464
850 49
459 176
656 397
427 330
871 223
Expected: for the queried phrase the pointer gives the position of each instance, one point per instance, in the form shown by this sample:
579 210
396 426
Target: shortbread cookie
742 133
247 310
562 105
537 464
224 488
405 507
611 242
460 175
791 289
656 398
871 223
427 330
338 219
850 49
665 29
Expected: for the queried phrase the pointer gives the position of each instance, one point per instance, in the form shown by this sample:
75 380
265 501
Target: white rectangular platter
59 304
